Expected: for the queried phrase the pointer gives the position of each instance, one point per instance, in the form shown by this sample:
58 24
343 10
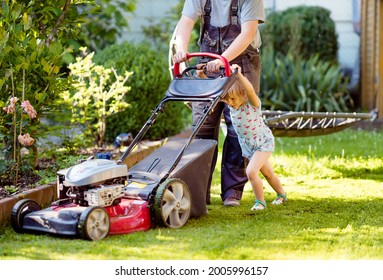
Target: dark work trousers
217 40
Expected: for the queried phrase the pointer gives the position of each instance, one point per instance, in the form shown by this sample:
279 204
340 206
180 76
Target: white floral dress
253 133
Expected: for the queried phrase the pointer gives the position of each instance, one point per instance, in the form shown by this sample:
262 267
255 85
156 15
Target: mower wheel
172 203
19 210
94 223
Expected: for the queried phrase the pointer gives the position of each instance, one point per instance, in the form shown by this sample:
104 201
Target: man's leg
209 130
233 175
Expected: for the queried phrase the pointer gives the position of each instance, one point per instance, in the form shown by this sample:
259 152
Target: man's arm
183 33
243 40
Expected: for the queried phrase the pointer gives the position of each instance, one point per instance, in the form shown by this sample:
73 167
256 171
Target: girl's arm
251 95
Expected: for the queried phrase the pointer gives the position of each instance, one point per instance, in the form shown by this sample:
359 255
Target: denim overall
217 40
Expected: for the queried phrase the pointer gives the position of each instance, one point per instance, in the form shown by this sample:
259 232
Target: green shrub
304 30
149 83
291 83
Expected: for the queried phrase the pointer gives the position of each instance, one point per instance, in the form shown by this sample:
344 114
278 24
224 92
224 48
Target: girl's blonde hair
236 90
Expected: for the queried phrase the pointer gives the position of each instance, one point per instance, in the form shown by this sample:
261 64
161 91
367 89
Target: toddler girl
255 138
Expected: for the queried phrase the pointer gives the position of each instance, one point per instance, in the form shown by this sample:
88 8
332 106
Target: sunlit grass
334 211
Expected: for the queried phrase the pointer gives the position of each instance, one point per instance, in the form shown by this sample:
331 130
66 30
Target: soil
29 182
24 183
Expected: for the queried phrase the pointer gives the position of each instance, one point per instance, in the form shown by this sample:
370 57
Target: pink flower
26 139
28 108
11 107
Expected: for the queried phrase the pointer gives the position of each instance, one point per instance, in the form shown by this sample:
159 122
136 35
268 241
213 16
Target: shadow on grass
361 172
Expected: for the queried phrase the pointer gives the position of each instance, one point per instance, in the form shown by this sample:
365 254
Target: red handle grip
211 55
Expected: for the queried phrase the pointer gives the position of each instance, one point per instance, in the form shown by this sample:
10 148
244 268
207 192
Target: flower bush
24 139
19 121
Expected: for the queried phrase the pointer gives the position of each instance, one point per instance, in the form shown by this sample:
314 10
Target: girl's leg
272 179
252 171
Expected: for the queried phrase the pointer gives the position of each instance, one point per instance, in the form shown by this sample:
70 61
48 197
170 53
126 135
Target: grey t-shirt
220 13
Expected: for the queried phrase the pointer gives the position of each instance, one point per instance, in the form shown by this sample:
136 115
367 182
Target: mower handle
211 55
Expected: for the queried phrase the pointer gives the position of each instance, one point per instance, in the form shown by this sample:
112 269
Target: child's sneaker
278 201
259 205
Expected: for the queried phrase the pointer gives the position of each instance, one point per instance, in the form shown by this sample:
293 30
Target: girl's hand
236 66
201 68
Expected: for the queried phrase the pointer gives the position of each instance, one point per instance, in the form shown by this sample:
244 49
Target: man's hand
214 65
180 56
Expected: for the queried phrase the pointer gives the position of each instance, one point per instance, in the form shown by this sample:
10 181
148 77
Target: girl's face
236 95
235 101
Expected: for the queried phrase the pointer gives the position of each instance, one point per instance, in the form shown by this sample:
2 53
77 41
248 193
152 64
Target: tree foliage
102 21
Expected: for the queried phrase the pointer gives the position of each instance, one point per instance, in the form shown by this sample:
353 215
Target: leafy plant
58 160
292 83
7 170
11 189
97 94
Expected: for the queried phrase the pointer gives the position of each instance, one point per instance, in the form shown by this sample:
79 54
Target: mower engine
94 182
105 195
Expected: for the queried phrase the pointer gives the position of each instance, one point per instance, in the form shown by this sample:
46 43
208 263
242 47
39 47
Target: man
228 28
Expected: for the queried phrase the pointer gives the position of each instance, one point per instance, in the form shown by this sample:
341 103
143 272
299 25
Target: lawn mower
99 197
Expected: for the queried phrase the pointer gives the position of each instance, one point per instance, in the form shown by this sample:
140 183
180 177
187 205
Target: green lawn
334 211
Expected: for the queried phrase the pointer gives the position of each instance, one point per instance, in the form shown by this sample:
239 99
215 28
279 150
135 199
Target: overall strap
206 19
207 7
207 10
234 12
